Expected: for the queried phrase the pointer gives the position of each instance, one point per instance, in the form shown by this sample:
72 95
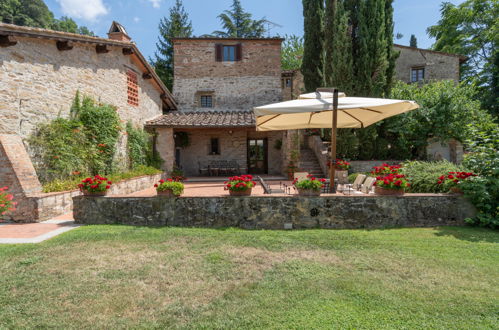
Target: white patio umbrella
327 108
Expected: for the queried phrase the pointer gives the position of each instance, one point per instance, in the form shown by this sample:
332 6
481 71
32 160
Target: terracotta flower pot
456 190
95 193
388 192
167 193
246 192
308 192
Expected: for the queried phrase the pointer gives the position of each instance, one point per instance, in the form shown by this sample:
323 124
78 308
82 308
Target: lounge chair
300 175
356 185
366 187
268 190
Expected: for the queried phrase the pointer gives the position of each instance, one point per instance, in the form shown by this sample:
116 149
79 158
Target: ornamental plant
176 187
386 169
6 201
310 183
240 183
454 179
95 184
177 174
392 181
341 165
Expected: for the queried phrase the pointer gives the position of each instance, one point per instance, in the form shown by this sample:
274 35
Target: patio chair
366 187
268 190
300 175
203 169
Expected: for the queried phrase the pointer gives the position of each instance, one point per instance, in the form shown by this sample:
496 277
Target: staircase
309 163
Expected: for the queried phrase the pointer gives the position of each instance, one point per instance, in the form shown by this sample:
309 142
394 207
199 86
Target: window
206 101
229 53
288 82
417 74
214 146
133 88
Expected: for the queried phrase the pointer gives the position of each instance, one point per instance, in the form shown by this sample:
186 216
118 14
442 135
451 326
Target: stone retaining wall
361 166
48 205
412 210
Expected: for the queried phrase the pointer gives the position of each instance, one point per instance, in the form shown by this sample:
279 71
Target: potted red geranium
452 180
96 186
386 169
240 185
341 166
169 188
310 186
6 201
391 184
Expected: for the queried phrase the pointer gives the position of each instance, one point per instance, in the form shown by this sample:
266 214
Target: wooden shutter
239 52
218 52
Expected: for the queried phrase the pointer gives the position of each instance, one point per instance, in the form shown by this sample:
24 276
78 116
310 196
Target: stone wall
274 212
361 166
38 83
438 66
297 87
239 85
45 206
233 146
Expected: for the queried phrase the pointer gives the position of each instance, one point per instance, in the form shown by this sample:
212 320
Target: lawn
138 277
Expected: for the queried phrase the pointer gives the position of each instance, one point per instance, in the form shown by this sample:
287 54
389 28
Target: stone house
415 65
40 72
217 82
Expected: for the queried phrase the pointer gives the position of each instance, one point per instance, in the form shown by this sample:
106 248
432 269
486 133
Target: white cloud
86 9
136 19
155 3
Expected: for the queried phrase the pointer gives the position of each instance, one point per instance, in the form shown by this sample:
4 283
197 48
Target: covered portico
217 143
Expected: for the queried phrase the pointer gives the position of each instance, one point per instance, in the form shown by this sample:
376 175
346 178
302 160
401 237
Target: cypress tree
312 65
413 42
338 67
177 25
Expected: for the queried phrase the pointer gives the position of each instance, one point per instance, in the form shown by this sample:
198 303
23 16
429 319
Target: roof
235 39
462 58
204 119
31 32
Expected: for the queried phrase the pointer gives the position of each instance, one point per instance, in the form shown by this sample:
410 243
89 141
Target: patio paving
15 233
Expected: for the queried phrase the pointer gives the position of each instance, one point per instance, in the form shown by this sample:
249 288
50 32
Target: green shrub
72 182
483 159
423 176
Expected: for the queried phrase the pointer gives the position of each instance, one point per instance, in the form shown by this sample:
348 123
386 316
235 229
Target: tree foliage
312 63
177 25
238 23
35 13
414 41
472 29
292 52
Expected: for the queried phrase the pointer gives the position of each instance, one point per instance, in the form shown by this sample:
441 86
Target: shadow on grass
470 234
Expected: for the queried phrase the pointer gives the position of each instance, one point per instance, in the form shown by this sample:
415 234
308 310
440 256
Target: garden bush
483 159
423 176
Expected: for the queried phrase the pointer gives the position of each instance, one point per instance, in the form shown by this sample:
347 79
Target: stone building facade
217 82
292 84
40 72
418 65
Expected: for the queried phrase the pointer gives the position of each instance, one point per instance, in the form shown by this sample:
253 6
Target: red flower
155 186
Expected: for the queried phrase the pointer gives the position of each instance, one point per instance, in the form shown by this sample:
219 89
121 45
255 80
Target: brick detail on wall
17 173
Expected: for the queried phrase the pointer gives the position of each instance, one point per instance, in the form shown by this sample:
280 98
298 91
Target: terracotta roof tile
204 119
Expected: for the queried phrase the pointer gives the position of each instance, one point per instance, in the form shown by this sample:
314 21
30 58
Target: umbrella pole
332 170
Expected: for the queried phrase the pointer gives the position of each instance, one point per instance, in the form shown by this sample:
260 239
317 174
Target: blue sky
141 17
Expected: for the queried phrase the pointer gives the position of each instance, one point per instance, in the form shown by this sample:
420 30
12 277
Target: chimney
118 32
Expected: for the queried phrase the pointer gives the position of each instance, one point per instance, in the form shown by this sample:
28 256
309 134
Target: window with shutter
218 52
133 88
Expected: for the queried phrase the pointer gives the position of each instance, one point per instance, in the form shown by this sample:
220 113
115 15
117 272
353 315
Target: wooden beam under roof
64 45
128 51
7 40
101 49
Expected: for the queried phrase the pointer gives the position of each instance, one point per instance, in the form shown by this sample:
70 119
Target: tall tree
35 13
292 52
413 42
177 25
312 65
239 24
338 61
472 29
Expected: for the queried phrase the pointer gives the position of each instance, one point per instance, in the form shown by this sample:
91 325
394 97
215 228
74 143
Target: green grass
72 182
139 277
